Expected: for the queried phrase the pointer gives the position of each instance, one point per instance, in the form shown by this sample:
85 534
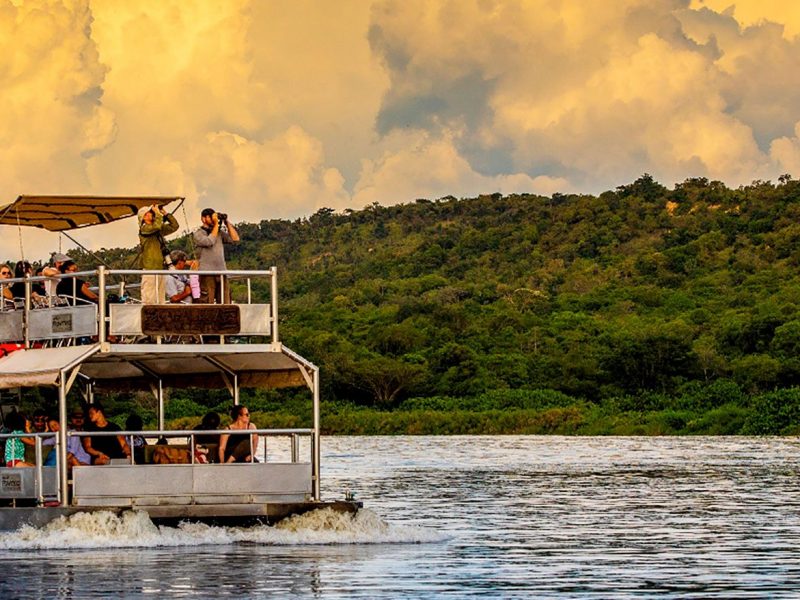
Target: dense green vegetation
641 310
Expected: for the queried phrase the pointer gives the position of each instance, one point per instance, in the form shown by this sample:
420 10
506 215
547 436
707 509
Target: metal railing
62 302
39 458
294 436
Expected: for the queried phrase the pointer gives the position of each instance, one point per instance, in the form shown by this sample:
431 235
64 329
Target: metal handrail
38 458
293 433
104 287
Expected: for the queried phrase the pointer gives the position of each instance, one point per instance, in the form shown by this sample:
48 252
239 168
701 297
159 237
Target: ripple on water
509 516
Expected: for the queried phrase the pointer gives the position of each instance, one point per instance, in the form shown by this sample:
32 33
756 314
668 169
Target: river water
472 516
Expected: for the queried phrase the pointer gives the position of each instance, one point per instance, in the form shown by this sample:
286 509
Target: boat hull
238 515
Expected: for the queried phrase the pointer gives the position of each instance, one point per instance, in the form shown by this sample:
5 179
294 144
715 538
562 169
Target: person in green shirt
154 224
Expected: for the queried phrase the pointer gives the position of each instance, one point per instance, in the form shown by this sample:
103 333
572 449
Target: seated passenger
15 448
73 286
73 444
134 423
21 270
54 271
210 422
103 448
40 420
238 447
5 273
178 289
30 443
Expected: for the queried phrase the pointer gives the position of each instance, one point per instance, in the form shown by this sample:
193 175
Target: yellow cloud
755 12
52 116
279 108
424 166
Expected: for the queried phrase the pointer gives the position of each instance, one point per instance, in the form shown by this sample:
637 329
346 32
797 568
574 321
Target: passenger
44 289
74 286
5 273
49 443
40 420
103 448
15 447
134 423
210 422
154 224
21 270
210 240
54 271
74 442
241 448
178 289
30 442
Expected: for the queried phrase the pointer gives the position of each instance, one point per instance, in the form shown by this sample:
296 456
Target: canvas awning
128 368
62 213
131 368
40 366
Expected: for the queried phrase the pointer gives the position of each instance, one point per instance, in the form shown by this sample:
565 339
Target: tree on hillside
383 377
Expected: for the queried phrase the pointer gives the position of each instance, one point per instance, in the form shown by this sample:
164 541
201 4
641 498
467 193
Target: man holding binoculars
209 241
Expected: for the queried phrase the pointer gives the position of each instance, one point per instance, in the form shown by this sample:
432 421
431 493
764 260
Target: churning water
510 516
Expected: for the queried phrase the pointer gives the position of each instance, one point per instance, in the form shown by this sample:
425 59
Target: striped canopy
61 213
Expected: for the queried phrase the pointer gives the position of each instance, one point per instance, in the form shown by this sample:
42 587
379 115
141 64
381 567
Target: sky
277 108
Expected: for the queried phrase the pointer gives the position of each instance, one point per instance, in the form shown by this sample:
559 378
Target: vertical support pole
315 460
295 447
235 390
101 281
27 313
274 287
249 292
62 441
39 482
160 405
222 300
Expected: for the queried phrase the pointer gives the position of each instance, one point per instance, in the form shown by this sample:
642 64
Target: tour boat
119 345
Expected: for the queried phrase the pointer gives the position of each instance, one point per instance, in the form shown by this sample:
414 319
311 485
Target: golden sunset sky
276 108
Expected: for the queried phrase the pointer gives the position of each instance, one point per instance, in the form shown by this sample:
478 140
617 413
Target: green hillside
644 310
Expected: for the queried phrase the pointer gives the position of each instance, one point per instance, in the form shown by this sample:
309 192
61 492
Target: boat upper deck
122 344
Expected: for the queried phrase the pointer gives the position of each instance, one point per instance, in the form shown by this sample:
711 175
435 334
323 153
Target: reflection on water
471 516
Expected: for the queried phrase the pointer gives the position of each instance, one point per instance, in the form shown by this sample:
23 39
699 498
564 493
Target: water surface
472 516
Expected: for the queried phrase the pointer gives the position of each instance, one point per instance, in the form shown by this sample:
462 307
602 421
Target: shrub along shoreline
718 408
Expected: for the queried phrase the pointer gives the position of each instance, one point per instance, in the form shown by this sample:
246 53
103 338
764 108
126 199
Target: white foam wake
104 529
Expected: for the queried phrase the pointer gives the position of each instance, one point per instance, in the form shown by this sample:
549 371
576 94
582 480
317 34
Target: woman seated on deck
242 448
5 273
21 270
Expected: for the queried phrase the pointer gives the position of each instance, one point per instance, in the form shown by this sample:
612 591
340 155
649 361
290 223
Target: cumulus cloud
426 166
51 92
275 109
756 12
592 96
236 104
279 178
